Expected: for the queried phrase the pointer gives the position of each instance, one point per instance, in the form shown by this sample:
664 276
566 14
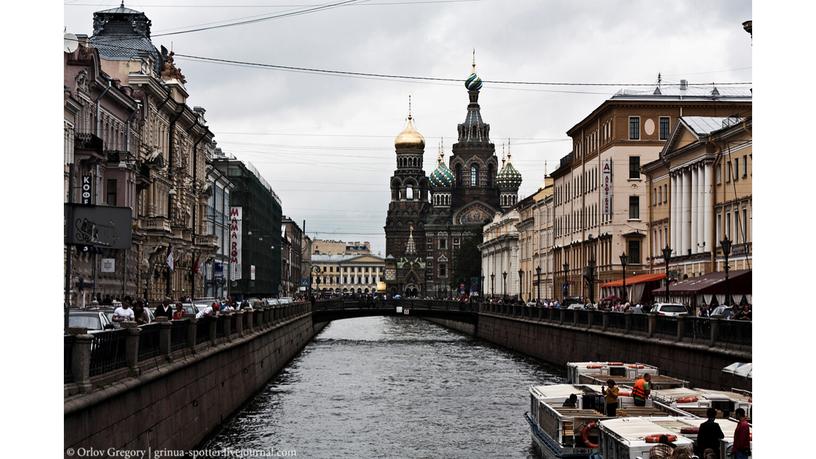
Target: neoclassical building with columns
700 193
500 254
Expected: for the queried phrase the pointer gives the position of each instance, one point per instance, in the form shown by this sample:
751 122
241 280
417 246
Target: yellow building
347 273
700 193
535 243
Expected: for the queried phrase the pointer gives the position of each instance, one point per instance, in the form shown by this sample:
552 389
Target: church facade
430 217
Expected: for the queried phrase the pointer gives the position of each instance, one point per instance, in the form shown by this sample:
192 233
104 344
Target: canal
395 387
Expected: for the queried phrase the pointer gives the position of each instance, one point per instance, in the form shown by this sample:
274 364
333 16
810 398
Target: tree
468 263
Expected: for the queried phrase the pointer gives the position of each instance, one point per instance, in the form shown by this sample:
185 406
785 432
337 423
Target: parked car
570 300
576 306
723 312
669 309
94 321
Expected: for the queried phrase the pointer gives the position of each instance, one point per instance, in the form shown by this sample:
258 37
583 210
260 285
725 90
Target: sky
326 143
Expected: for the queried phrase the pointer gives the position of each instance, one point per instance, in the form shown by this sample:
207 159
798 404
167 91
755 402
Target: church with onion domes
431 217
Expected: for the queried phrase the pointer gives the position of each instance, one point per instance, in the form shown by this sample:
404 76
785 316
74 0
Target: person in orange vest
641 389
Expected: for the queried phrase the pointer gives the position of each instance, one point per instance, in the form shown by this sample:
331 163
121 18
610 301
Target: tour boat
562 432
623 373
697 401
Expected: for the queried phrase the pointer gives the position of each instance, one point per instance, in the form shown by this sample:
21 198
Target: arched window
474 175
458 171
409 192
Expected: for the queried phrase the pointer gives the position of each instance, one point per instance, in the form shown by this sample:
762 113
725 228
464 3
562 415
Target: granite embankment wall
178 403
558 343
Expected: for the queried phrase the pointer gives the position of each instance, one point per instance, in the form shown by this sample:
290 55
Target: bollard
132 347
227 318
605 320
192 330
239 322
681 327
652 318
81 361
165 328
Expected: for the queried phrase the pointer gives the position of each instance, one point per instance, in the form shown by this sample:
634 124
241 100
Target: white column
708 212
693 213
685 220
673 213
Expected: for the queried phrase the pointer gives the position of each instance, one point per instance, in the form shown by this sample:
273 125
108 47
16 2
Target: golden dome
409 137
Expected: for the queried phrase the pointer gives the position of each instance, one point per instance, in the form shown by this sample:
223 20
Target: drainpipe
195 199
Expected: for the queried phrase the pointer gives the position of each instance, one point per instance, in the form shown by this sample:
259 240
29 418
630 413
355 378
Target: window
728 176
474 175
634 167
634 128
736 169
110 192
664 128
443 243
443 270
719 227
744 224
736 227
409 192
659 194
634 207
744 166
728 225
665 193
719 174
633 251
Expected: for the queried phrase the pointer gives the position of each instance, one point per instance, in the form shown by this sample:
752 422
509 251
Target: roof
673 92
739 282
639 279
703 125
321 258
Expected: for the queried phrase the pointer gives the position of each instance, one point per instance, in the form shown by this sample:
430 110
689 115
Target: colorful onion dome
441 177
508 178
473 82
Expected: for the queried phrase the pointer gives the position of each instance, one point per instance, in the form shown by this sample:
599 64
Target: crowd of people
128 310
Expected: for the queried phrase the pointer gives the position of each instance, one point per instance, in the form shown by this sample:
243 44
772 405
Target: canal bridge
168 384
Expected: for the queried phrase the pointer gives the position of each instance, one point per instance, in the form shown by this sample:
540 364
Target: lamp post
538 284
623 259
565 287
504 284
521 274
590 278
492 284
481 285
726 248
666 257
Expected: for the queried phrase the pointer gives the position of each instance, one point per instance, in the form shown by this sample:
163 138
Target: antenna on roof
659 82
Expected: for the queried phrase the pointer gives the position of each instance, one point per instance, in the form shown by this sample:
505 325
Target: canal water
393 387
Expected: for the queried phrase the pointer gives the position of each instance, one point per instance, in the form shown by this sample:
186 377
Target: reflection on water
397 387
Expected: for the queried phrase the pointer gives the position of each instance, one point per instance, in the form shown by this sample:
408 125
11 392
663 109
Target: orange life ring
655 438
594 367
614 363
690 430
639 367
688 399
585 434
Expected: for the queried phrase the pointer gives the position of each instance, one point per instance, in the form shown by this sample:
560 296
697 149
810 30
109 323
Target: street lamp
504 284
492 284
666 257
726 248
538 284
520 273
565 287
481 285
590 278
623 259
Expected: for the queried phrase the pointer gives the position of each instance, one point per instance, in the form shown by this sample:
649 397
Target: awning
638 279
740 369
739 283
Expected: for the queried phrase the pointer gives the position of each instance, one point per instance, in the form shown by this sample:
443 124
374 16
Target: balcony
86 144
209 240
154 224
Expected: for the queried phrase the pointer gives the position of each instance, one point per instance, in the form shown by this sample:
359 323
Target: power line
262 5
316 9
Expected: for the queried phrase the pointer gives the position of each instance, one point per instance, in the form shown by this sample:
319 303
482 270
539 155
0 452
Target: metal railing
639 323
107 351
125 348
733 332
666 326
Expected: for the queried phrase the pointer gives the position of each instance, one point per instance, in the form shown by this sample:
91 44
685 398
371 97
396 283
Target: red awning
639 279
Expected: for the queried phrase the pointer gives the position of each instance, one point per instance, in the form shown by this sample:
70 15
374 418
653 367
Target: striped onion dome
508 178
473 82
441 177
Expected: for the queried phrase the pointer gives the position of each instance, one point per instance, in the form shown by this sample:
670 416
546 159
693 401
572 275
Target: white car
724 312
670 309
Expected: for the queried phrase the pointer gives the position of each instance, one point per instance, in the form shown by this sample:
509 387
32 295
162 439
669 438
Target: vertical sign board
86 188
251 272
235 242
606 190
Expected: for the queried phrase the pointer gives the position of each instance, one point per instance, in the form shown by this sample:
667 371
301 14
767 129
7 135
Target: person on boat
709 435
663 450
742 436
571 402
610 394
641 389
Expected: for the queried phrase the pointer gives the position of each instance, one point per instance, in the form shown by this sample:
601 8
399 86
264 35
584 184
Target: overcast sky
325 143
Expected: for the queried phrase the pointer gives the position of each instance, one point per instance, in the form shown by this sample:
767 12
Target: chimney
683 85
